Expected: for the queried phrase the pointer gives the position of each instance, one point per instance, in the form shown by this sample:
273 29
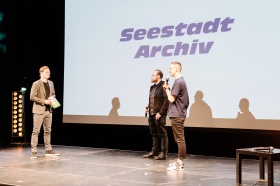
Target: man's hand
158 116
48 102
146 109
165 86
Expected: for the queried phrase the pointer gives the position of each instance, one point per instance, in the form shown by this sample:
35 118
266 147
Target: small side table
262 154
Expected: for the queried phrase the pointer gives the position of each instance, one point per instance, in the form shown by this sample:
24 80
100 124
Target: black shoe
161 156
150 155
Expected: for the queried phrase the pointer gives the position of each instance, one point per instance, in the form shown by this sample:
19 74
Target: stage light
18 120
23 89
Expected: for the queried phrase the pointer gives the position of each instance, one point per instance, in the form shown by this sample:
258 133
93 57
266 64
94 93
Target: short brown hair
178 65
159 72
43 68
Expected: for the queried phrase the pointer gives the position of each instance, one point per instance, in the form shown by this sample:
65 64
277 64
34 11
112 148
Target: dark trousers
179 136
159 134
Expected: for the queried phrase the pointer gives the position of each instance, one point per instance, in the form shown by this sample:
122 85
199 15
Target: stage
111 167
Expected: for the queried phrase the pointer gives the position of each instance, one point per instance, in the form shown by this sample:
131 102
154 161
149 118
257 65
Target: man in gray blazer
42 93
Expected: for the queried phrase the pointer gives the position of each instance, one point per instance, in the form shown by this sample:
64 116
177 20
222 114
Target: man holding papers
43 95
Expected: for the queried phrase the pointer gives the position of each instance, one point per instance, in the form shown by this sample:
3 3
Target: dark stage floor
110 167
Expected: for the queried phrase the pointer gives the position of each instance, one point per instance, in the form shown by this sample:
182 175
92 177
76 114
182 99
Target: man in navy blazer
42 92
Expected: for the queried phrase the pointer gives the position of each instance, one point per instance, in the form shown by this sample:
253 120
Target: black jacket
161 101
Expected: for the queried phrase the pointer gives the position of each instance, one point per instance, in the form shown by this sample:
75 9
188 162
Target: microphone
146 113
167 79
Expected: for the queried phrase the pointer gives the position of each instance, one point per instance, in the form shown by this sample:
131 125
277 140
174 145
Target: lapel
156 86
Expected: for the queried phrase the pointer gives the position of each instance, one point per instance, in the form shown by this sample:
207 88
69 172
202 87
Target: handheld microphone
146 113
167 79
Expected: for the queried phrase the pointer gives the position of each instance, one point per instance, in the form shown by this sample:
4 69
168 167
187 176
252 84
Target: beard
153 80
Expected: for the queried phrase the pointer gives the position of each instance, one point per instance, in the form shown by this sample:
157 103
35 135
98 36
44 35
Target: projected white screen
228 51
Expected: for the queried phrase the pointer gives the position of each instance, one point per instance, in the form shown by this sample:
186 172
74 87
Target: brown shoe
33 155
149 155
51 153
161 156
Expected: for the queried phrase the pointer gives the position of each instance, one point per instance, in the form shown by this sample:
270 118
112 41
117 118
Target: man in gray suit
42 93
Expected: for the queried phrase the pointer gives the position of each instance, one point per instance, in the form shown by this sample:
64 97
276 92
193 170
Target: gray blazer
38 94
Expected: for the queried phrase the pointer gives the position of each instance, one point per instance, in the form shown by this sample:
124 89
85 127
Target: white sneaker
175 166
181 167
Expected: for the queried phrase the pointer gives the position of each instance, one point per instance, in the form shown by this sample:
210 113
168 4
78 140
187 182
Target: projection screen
229 51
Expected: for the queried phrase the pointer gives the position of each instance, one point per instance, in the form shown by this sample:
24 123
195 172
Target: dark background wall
35 37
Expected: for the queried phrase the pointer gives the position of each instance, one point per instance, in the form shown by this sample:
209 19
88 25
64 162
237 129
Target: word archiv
181 29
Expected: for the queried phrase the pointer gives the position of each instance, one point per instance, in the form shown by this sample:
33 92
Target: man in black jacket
157 108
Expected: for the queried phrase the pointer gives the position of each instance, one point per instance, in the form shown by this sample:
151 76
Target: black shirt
47 90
